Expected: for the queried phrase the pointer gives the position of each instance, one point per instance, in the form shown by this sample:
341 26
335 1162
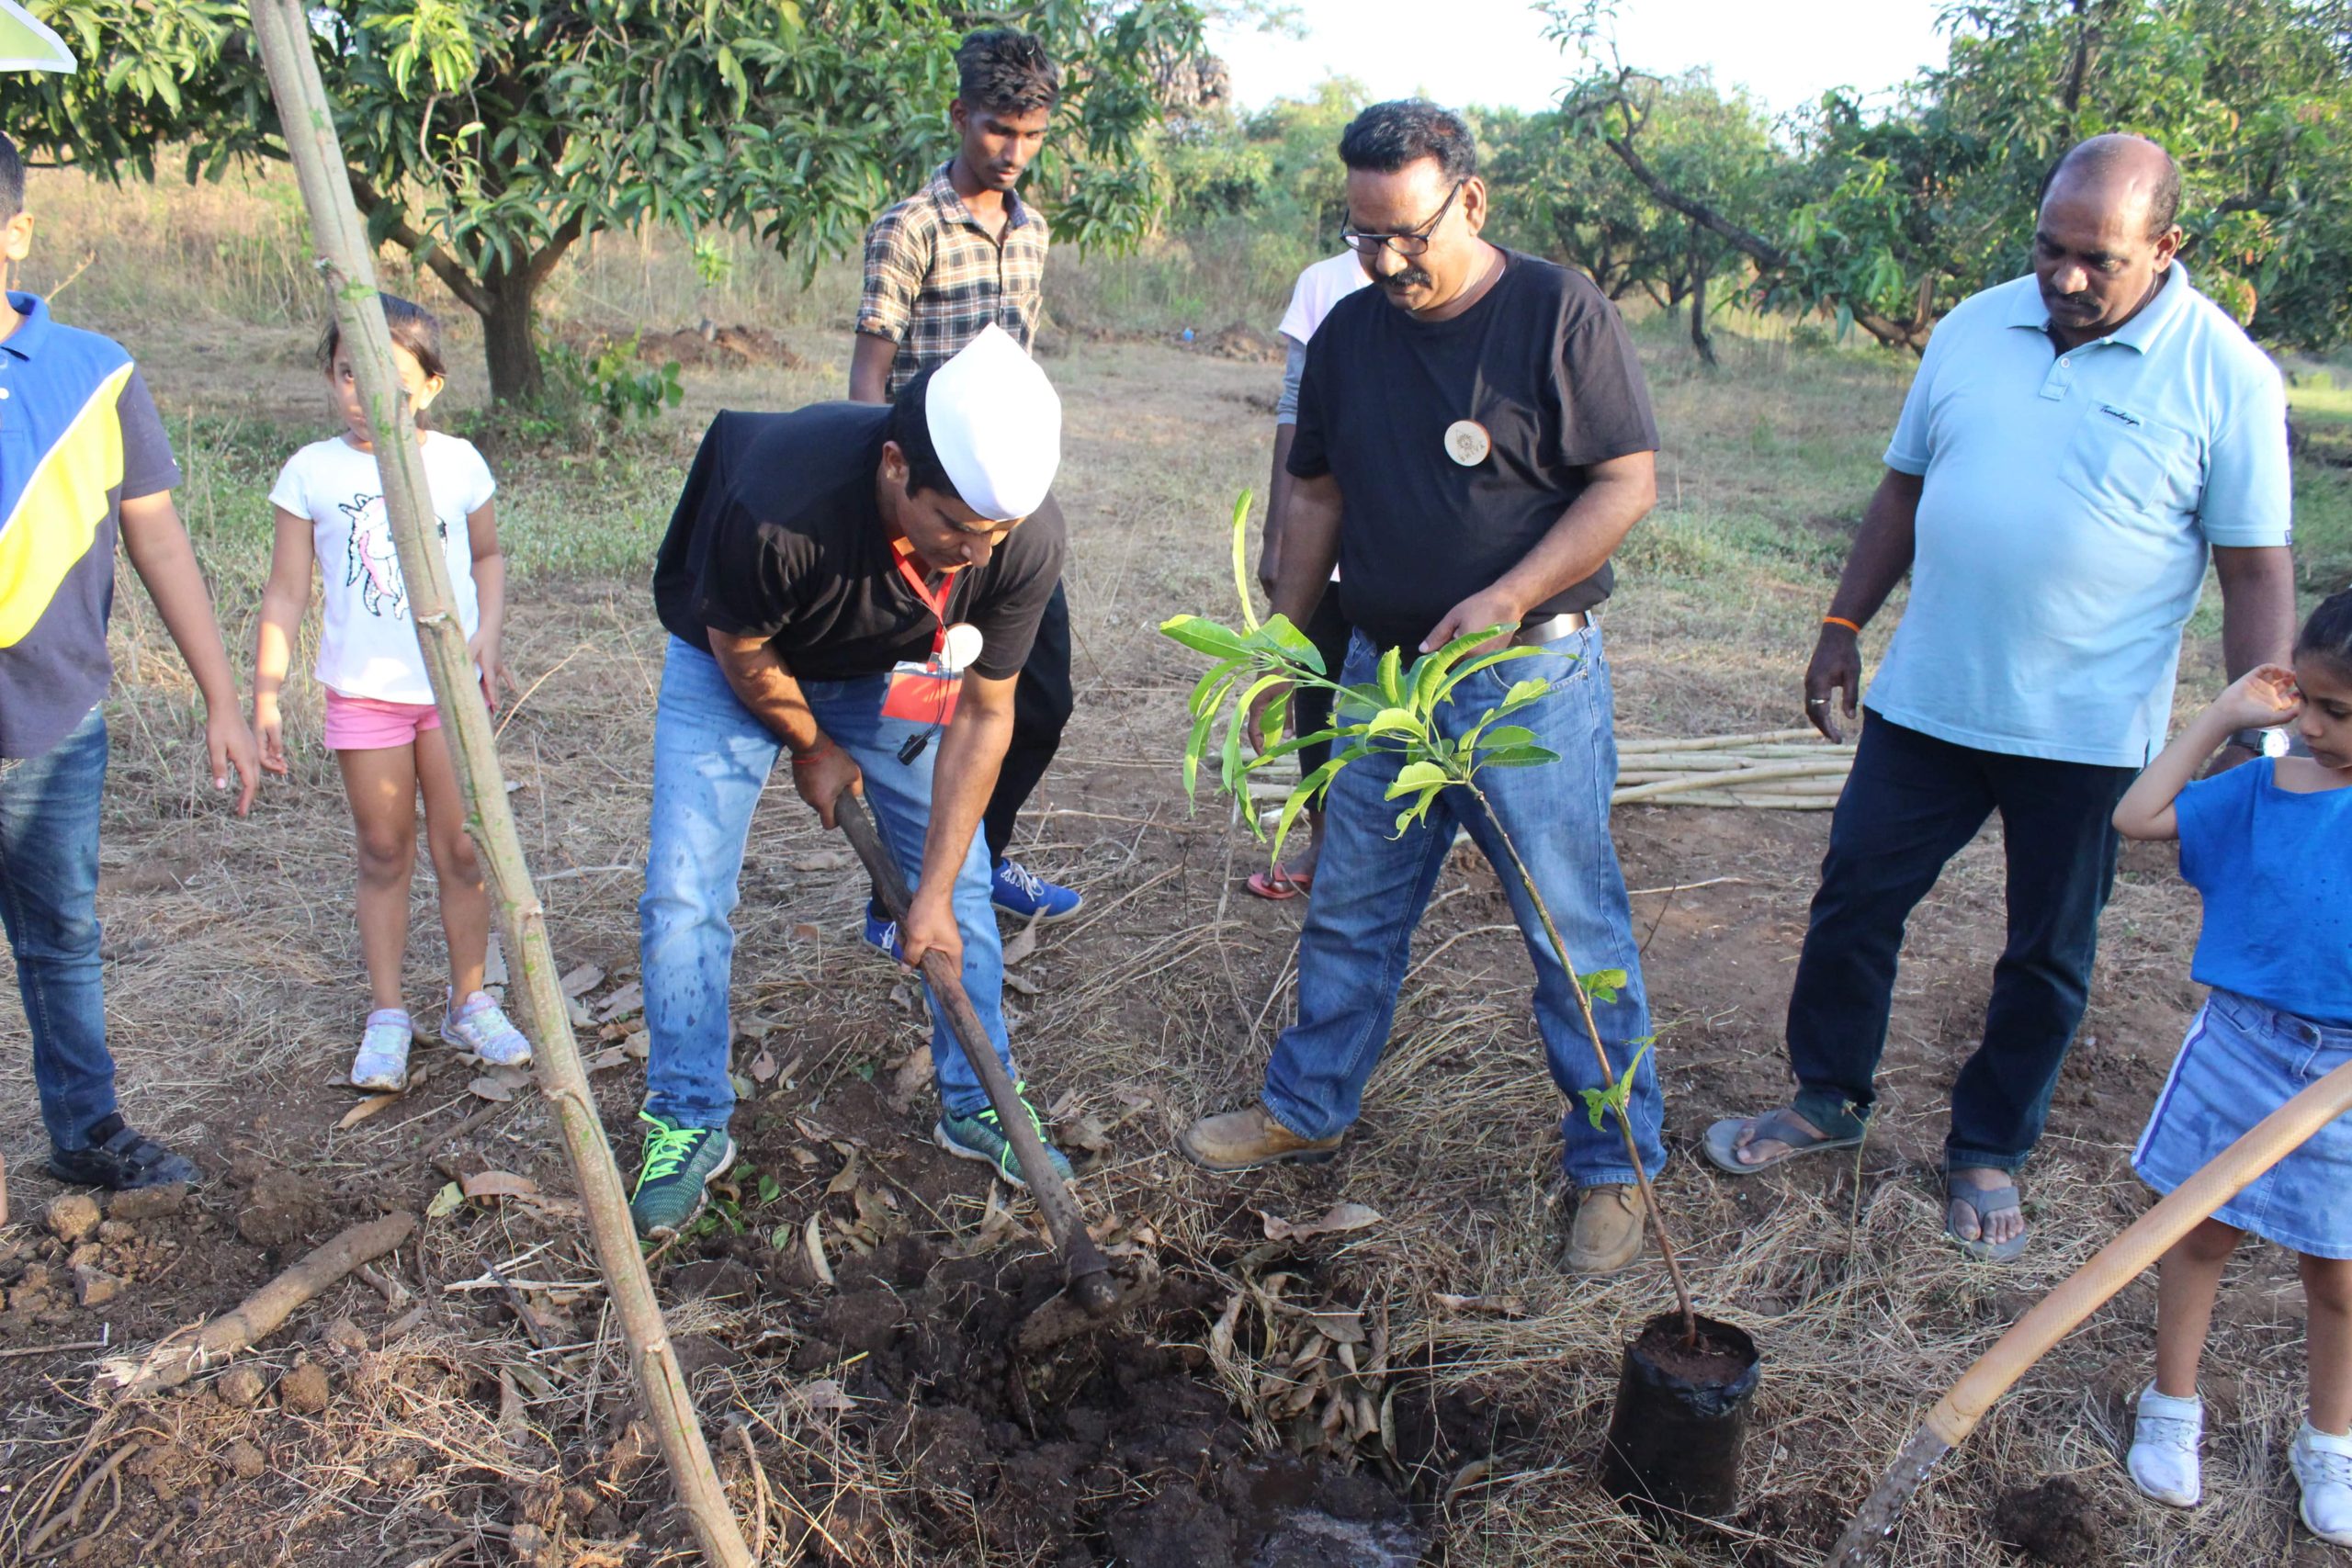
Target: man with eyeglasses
1482 420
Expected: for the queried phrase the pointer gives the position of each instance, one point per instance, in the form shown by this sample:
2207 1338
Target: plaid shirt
935 276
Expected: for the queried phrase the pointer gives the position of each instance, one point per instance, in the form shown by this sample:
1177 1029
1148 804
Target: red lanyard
936 603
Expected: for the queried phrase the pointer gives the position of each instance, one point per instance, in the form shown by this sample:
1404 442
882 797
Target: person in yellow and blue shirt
84 459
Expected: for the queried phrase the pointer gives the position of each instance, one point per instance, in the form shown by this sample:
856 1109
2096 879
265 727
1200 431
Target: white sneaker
382 1064
2163 1460
477 1025
2323 1466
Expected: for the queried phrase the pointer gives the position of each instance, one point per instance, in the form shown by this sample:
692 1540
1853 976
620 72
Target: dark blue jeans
1913 802
48 902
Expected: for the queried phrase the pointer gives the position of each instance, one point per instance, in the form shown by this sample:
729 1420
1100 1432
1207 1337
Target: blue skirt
2241 1061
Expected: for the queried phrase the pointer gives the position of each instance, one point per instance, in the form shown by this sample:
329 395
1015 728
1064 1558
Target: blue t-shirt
2276 870
2069 503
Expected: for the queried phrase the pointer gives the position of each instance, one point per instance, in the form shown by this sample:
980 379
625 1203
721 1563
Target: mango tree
491 139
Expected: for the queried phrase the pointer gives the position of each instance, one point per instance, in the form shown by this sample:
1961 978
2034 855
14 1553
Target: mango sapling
1261 665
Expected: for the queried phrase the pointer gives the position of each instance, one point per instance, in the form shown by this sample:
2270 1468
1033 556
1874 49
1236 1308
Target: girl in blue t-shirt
2269 845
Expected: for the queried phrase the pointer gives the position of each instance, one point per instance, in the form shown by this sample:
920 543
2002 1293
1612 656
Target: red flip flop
1278 885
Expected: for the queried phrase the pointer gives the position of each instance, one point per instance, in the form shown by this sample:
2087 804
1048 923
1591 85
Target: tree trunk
1700 338
508 337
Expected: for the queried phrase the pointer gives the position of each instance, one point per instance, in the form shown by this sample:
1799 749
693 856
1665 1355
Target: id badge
922 693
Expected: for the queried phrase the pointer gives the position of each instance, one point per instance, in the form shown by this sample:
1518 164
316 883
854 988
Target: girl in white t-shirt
381 721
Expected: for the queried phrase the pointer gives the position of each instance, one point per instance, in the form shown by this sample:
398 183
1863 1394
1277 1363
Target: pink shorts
369 724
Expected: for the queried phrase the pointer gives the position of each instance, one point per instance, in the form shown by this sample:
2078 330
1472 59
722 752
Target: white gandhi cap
997 426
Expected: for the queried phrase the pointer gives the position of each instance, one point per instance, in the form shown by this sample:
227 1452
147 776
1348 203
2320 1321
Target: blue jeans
711 759
49 901
1912 803
1371 883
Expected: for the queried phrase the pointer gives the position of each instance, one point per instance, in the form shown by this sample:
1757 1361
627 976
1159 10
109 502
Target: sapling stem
1608 1072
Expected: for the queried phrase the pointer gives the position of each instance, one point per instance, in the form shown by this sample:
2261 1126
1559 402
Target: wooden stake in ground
347 258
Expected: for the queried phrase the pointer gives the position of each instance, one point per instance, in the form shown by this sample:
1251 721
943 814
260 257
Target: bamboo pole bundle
345 257
1768 771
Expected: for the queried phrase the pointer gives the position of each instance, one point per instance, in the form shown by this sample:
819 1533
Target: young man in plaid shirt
960 254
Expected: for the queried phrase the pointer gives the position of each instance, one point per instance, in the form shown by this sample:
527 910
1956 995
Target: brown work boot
1241 1139
1607 1234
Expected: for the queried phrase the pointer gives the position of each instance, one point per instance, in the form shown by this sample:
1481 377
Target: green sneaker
680 1165
979 1136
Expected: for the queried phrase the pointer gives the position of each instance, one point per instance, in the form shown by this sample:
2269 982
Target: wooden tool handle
2121 1260
1090 1274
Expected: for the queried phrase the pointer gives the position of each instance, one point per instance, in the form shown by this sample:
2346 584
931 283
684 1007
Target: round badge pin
960 647
1468 443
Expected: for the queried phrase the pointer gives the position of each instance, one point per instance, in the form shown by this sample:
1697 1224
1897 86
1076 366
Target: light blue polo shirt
2069 503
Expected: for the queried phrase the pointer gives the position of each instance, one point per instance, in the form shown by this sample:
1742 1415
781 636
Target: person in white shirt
381 719
1319 287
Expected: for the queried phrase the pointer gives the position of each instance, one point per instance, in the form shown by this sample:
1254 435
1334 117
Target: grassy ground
234 992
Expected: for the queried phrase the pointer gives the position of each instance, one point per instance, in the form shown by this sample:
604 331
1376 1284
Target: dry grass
236 987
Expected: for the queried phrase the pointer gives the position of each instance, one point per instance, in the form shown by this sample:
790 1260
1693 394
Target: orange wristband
1841 621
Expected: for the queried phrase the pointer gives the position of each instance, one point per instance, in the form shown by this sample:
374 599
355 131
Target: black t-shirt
777 535
1542 361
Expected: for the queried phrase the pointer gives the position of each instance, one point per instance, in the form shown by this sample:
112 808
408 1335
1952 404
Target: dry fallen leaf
488 1088
803 931
762 1066
806 1158
1500 1306
909 1078
494 968
1087 1133
1022 943
581 980
445 1201
1022 984
824 1394
577 1011
366 1108
498 1184
1340 1328
610 1057
1341 1217
815 1242
639 1045
629 999
845 1179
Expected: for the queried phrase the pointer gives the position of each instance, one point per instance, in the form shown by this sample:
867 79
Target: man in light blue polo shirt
2078 443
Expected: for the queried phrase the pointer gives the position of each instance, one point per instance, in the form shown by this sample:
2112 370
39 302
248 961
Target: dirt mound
1243 342
2056 1522
705 346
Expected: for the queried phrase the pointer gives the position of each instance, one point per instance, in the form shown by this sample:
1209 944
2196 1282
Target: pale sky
1493 52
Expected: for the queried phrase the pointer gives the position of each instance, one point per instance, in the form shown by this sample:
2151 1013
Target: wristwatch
2253 740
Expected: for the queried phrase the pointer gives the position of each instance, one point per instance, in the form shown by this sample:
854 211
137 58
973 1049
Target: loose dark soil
2055 1522
1706 1362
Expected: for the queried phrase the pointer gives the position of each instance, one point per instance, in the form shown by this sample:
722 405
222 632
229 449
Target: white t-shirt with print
368 646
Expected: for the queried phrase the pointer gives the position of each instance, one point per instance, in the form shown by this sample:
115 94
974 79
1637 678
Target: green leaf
1241 560
1205 637
1394 721
1277 634
1603 984
1391 682
1417 775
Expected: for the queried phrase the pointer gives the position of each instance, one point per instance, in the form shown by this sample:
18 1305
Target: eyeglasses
1412 243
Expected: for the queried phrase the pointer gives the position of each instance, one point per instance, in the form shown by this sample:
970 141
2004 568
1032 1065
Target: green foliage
1395 711
488 140
1618 1095
1885 214
615 381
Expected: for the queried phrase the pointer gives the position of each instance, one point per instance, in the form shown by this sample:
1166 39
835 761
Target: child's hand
229 743
2262 698
484 646
269 729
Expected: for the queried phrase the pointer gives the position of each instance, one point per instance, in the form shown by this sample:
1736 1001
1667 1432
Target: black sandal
120 1159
